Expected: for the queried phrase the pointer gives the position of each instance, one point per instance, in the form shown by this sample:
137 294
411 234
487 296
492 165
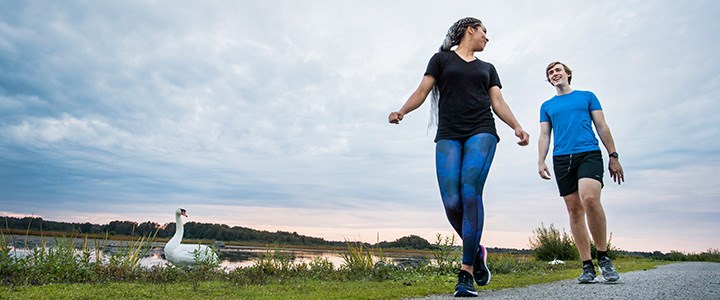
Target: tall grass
128 258
446 254
360 259
65 263
276 265
276 261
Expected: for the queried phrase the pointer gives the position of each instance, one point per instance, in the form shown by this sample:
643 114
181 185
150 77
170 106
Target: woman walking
465 93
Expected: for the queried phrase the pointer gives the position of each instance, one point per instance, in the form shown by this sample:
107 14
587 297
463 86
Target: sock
601 254
588 262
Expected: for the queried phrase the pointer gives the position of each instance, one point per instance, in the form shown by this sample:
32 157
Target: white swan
186 254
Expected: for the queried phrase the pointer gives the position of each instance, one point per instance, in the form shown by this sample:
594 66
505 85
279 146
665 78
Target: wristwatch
614 154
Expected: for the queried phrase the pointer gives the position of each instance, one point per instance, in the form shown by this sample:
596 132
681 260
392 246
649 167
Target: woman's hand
395 117
523 136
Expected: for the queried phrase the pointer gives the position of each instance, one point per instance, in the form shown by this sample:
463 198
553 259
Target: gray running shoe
608 271
588 274
465 287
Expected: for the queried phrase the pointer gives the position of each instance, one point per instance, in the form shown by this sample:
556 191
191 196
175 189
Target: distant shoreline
115 240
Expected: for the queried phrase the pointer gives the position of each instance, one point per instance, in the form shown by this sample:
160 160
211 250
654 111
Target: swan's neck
177 238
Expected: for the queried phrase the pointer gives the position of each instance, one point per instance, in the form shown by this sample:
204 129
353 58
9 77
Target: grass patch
403 284
68 271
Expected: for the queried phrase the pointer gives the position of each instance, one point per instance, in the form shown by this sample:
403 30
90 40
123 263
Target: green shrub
549 244
676 256
502 263
320 266
711 255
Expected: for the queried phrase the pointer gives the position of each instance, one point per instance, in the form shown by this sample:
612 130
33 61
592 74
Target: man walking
578 164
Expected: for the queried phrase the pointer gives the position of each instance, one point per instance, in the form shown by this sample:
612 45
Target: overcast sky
273 114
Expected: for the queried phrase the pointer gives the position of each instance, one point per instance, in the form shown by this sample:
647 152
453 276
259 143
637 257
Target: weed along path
684 280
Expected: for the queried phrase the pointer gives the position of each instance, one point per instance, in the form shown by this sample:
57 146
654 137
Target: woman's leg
478 153
448 160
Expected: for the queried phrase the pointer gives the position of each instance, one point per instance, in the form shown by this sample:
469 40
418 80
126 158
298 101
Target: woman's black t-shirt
464 106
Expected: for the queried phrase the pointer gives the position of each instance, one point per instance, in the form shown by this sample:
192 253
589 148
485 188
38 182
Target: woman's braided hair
456 31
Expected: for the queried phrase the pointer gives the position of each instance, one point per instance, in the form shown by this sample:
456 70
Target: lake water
231 257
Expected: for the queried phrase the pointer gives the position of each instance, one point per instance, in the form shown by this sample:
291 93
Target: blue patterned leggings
462 168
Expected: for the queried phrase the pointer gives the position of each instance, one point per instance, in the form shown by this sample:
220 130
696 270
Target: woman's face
479 37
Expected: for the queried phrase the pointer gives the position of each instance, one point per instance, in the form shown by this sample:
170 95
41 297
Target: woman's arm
502 110
416 99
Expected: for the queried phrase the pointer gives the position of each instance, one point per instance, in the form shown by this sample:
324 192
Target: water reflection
231 257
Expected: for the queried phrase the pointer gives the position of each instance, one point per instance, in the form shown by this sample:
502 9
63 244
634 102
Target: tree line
200 231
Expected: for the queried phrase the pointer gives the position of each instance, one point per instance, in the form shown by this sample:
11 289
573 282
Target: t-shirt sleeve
594 102
434 67
494 78
543 113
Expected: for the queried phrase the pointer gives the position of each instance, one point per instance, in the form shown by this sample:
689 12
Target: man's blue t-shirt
571 122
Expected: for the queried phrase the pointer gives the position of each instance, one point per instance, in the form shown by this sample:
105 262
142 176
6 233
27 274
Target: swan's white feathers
186 254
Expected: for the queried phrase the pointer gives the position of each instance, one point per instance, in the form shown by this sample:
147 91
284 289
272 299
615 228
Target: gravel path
686 280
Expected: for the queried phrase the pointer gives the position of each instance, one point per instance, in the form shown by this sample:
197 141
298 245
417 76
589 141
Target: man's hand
543 171
616 170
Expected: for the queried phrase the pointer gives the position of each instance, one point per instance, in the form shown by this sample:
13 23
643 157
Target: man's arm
543 148
614 166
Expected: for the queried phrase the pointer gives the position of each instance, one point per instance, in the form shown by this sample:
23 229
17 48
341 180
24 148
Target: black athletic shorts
571 167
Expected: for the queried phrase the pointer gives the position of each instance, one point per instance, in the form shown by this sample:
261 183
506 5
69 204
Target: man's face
557 75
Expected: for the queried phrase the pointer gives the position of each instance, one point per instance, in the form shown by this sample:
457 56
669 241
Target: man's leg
578 227
576 211
589 191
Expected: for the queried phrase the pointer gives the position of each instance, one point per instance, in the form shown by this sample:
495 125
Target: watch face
614 154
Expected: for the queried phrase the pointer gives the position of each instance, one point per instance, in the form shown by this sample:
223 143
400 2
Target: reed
359 259
446 254
59 260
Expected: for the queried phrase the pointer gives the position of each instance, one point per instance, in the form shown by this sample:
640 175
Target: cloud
119 110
